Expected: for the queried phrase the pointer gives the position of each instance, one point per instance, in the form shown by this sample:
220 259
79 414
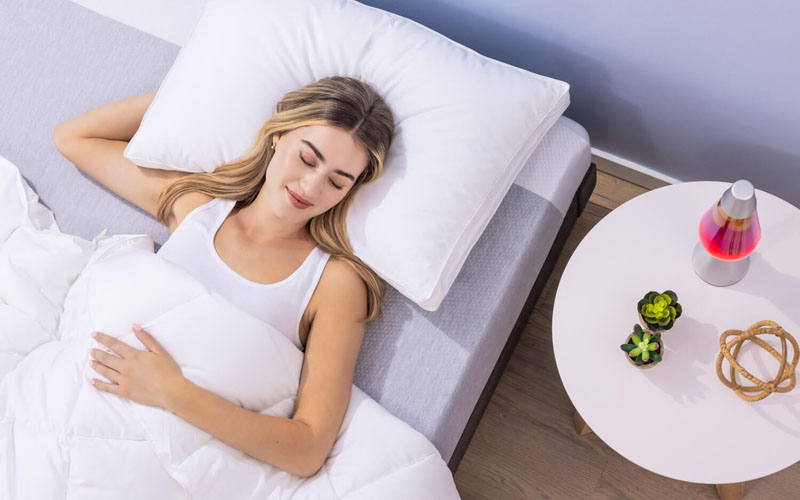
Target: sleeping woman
267 232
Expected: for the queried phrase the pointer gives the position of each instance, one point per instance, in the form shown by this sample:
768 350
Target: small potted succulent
643 348
658 311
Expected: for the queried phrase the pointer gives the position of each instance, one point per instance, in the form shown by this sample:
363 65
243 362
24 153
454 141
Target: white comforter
62 438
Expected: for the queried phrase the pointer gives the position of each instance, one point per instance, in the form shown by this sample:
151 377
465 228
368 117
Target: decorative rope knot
765 327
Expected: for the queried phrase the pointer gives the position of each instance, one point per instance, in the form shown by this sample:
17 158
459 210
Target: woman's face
318 163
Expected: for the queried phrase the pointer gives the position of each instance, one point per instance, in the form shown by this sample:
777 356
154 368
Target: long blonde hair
339 101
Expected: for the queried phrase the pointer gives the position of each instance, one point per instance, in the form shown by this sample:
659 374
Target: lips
296 200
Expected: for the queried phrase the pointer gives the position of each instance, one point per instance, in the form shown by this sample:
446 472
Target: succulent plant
643 346
659 310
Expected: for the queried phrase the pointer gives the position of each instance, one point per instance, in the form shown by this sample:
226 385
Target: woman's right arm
95 140
118 120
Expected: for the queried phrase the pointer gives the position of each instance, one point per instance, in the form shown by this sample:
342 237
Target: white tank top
281 304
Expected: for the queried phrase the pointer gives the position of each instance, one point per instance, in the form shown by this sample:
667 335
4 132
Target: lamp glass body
728 232
726 238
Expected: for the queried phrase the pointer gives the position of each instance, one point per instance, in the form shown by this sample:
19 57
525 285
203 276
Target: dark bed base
579 201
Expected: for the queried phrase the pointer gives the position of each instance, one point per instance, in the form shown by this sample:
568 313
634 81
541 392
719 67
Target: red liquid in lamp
726 238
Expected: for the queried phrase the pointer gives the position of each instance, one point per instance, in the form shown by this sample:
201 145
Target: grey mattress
58 59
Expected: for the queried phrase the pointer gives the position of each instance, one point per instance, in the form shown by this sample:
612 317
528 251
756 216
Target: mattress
59 59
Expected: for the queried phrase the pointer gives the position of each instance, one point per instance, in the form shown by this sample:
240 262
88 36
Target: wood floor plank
512 463
623 480
526 447
611 192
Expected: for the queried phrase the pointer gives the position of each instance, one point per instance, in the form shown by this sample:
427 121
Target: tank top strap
202 208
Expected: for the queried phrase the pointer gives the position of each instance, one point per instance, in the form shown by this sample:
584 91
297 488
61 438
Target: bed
434 370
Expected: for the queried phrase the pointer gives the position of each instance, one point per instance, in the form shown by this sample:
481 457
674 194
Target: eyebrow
322 158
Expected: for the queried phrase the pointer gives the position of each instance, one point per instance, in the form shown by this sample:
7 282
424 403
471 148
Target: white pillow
465 124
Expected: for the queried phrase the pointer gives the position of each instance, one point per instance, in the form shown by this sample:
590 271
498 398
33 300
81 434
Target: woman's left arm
299 444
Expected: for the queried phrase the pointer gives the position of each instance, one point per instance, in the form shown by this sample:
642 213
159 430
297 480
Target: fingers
148 340
115 344
107 359
106 387
102 369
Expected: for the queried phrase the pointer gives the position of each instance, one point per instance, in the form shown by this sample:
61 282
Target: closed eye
310 165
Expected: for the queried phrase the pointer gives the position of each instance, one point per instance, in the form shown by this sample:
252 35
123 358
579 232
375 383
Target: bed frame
577 205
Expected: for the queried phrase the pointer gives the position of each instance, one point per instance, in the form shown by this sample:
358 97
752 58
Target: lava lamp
729 231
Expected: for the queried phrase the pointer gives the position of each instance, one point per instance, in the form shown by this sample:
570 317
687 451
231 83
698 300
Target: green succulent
643 346
660 310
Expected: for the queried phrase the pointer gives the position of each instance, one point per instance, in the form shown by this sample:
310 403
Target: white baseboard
630 171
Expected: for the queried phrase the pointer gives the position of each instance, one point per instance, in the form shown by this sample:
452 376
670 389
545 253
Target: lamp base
715 271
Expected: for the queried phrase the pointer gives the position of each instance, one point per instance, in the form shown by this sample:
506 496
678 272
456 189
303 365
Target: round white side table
677 419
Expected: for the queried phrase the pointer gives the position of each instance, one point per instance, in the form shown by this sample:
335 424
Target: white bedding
62 438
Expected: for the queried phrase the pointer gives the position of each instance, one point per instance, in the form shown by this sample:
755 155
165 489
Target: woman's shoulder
340 286
183 205
338 272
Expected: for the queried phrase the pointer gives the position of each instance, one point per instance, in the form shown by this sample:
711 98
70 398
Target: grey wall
705 90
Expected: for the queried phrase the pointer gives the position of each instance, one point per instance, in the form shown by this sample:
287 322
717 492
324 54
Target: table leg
580 424
731 491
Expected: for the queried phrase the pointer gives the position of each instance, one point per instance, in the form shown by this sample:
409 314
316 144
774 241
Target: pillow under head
465 123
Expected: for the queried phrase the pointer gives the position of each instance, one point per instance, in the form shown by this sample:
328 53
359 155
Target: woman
275 244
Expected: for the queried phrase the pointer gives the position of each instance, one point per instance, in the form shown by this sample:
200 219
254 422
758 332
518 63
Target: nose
312 183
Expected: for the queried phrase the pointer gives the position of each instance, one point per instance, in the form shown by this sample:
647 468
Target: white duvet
62 438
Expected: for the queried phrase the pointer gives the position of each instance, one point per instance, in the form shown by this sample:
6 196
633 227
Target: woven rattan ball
764 389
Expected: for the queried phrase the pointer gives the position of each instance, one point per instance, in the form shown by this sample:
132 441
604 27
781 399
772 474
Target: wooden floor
526 446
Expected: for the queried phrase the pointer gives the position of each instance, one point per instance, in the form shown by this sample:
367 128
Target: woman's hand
149 377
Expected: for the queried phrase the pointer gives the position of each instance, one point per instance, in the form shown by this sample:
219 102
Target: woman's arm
94 142
118 120
299 445
283 442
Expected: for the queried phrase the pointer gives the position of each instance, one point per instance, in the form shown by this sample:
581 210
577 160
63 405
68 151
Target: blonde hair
338 101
